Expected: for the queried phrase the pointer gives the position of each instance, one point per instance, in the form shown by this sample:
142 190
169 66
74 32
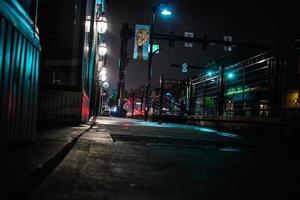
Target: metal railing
246 88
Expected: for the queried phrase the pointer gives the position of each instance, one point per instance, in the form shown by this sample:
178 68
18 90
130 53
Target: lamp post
102 79
102 50
166 12
101 27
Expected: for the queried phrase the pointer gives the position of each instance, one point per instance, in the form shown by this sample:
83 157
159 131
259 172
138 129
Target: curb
25 187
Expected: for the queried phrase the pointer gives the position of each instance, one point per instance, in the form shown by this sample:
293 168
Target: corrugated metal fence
19 62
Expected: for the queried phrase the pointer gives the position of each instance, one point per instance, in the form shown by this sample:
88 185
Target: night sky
244 20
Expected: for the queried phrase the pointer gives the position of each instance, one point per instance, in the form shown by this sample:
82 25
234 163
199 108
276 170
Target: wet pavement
132 159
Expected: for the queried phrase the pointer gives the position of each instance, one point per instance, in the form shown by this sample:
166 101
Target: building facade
69 59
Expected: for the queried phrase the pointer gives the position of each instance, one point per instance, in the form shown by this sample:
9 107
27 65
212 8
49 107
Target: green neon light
238 90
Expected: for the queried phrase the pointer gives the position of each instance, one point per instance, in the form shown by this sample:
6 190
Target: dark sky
244 20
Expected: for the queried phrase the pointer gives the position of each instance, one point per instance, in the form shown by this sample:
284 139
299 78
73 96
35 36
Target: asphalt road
132 159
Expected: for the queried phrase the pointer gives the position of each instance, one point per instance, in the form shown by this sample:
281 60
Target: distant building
69 59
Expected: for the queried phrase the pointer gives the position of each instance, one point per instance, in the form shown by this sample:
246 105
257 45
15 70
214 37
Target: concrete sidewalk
131 159
23 167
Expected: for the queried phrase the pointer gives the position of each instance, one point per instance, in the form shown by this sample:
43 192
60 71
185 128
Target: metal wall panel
19 62
60 105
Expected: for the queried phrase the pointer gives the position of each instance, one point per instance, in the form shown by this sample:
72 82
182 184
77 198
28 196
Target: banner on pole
141 42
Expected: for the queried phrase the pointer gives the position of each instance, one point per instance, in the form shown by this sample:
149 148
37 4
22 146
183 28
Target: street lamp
101 24
103 76
103 84
166 12
230 75
102 49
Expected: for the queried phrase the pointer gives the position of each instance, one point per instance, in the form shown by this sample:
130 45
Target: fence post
161 97
221 91
191 97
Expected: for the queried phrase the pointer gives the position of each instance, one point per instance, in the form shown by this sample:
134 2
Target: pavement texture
24 166
132 159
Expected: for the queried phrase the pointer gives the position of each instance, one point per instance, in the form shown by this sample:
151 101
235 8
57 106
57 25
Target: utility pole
191 96
132 105
149 74
278 82
161 97
101 99
221 92
142 99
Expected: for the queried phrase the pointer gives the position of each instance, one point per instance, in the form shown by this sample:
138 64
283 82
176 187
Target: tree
208 104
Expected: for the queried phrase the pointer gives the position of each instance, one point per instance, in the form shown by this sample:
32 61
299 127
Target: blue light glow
230 75
166 12
113 109
209 73
188 127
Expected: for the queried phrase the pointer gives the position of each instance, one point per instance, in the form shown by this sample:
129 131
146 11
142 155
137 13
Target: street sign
191 35
227 38
105 85
141 42
184 67
155 48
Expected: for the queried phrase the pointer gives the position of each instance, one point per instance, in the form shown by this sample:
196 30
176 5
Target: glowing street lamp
102 49
166 12
164 9
101 24
230 75
103 76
